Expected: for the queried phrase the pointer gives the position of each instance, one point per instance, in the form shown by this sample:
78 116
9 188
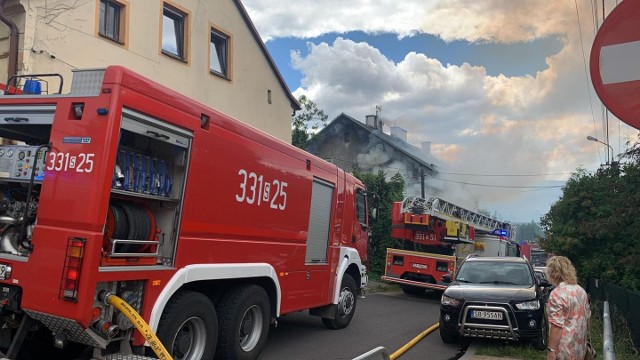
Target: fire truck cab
205 226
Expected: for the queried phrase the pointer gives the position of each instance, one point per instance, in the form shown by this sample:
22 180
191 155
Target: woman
568 312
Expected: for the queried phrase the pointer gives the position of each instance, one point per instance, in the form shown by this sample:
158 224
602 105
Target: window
173 32
219 54
111 23
361 207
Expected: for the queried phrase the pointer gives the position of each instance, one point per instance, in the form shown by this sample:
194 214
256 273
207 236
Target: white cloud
487 20
477 123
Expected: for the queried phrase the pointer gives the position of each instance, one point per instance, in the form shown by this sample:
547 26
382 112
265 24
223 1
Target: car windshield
489 272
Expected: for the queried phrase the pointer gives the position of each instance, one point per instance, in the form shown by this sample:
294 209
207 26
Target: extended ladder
443 209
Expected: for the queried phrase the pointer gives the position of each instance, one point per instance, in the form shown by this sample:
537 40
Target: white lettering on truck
254 189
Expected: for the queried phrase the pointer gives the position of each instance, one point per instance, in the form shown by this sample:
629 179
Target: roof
294 102
407 149
505 259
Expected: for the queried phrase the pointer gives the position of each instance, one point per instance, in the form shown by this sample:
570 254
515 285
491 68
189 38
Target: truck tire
346 306
188 326
244 314
412 290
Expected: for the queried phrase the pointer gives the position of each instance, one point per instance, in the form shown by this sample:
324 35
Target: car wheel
541 341
346 305
446 337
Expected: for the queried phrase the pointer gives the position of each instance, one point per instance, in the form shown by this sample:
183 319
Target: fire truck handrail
436 207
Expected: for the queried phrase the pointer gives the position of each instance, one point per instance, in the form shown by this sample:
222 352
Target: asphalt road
389 319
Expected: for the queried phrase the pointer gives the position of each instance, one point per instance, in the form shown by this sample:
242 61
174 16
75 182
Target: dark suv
496 298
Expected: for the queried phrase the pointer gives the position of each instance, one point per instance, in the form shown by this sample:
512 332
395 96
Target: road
383 319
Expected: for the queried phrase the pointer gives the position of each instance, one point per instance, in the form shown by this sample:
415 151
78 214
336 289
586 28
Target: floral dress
568 308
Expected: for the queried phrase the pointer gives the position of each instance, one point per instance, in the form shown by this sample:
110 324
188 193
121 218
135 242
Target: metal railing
374 354
607 336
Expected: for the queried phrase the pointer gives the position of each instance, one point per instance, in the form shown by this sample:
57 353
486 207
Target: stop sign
615 62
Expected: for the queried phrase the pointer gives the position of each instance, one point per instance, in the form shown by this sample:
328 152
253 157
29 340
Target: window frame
119 24
225 62
180 19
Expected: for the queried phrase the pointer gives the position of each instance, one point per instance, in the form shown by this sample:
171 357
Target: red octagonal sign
615 62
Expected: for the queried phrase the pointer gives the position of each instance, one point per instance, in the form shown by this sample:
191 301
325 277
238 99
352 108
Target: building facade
208 50
357 146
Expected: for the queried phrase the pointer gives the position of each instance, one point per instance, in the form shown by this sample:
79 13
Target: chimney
374 122
426 147
398 132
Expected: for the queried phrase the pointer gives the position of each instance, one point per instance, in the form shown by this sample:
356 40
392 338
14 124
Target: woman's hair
560 269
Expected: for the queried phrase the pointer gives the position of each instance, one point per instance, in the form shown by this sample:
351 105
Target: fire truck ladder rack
438 207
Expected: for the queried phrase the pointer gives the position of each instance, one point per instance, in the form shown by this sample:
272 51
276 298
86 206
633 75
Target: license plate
419 266
486 315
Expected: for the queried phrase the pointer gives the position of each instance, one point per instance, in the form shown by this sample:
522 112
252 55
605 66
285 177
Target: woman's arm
555 332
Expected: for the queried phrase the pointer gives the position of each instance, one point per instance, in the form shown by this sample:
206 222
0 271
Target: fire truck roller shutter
214 272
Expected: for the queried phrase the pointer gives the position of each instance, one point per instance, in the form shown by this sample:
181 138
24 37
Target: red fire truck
208 228
436 234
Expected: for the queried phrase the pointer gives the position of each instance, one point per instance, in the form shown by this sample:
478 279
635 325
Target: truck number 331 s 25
256 190
61 161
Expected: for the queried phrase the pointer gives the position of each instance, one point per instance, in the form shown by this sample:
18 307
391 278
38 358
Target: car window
486 272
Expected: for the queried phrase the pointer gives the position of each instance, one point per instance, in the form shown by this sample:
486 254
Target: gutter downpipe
13 42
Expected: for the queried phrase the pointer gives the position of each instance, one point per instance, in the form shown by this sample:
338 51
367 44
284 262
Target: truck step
128 357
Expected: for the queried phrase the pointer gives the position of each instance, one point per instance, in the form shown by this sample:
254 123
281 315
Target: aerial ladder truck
434 235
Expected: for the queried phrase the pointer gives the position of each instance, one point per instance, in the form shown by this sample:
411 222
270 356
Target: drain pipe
13 42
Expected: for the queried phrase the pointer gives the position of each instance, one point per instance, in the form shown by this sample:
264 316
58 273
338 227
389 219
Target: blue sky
508 59
499 88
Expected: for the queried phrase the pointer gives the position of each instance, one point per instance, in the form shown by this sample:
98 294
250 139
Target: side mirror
373 206
446 278
544 282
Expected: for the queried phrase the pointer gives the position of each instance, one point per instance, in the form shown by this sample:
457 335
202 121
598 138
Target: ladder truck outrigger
435 235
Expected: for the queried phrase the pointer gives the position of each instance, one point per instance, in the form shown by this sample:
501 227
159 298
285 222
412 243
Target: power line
500 186
505 175
586 73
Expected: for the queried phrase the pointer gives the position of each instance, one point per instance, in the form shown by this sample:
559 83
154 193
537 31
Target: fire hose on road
381 351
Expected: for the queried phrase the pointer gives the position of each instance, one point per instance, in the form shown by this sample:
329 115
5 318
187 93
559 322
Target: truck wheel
188 327
346 306
244 314
412 290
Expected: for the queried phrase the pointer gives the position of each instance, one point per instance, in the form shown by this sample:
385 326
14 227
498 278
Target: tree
306 121
596 224
380 239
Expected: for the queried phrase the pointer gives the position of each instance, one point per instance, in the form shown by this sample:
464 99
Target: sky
500 88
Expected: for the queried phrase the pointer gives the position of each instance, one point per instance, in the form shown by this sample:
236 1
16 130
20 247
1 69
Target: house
354 145
208 50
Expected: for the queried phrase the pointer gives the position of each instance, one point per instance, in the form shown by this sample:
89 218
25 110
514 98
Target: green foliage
596 224
306 121
380 239
528 232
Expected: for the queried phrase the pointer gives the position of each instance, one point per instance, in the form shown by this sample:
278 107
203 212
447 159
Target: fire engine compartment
143 215
146 186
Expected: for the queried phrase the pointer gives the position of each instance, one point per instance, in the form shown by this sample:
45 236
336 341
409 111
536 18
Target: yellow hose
141 325
415 340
